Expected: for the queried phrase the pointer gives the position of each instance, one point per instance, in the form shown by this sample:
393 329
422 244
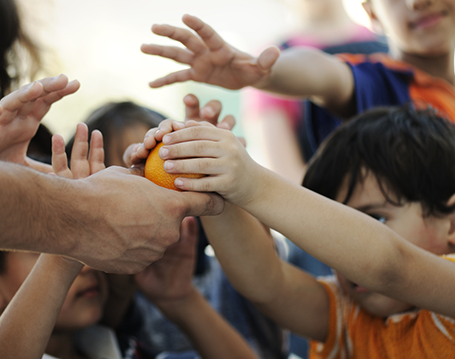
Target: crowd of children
377 205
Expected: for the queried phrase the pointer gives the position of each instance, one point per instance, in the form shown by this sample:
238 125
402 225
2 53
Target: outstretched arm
168 284
296 72
27 322
339 236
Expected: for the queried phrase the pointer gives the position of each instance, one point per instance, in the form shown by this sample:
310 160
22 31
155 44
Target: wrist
175 309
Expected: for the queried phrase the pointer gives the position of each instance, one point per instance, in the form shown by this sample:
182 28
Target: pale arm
364 250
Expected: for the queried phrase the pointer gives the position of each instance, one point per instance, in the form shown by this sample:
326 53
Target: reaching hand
83 162
21 112
137 153
170 278
203 148
211 59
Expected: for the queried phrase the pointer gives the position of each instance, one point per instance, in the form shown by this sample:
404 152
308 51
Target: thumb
268 57
203 204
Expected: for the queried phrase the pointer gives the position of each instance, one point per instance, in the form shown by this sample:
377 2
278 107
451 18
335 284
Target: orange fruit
154 171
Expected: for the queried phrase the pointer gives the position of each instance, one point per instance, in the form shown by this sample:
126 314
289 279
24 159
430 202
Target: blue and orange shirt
380 81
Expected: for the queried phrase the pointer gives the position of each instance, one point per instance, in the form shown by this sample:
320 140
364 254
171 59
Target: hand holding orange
154 171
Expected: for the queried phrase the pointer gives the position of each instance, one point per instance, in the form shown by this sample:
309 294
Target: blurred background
98 41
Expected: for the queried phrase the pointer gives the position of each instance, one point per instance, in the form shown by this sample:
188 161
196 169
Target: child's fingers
21 101
178 76
177 54
96 155
79 163
207 34
165 127
195 131
191 107
227 123
59 159
268 57
44 103
129 156
186 37
211 111
203 184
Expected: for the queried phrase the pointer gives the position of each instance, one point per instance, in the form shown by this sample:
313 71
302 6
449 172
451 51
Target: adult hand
21 112
124 222
211 59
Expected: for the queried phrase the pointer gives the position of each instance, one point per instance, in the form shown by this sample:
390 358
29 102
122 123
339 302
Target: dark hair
14 44
114 118
40 147
410 151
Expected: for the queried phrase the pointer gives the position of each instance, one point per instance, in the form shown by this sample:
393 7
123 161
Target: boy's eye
378 217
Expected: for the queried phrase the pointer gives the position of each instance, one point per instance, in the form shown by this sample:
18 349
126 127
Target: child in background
419 66
322 25
392 296
52 302
121 124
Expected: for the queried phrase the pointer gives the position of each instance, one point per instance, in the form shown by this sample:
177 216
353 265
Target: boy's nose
418 4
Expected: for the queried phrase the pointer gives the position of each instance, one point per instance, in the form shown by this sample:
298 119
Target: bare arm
245 249
27 323
364 250
296 72
213 337
112 221
168 284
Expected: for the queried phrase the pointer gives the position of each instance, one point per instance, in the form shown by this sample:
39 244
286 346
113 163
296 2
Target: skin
66 298
397 268
424 42
112 221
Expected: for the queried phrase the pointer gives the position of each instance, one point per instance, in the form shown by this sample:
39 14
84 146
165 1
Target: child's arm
27 322
21 113
364 250
297 72
168 284
29 319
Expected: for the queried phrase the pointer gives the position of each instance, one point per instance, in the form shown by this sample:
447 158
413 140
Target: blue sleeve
374 85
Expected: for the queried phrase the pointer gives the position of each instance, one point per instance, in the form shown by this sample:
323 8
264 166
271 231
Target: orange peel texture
154 171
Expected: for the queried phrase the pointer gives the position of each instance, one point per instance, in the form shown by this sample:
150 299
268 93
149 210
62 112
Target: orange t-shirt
355 334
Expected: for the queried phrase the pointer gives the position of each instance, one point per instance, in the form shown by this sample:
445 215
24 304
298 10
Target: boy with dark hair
391 296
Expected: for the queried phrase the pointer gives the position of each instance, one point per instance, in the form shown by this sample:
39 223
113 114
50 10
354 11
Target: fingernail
166 139
178 182
163 152
168 165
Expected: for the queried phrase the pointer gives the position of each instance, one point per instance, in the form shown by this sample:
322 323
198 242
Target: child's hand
83 162
21 112
210 58
170 278
137 153
205 149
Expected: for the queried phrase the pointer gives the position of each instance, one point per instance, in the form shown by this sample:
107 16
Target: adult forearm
35 209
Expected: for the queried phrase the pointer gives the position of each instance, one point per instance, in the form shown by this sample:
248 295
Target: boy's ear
375 24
